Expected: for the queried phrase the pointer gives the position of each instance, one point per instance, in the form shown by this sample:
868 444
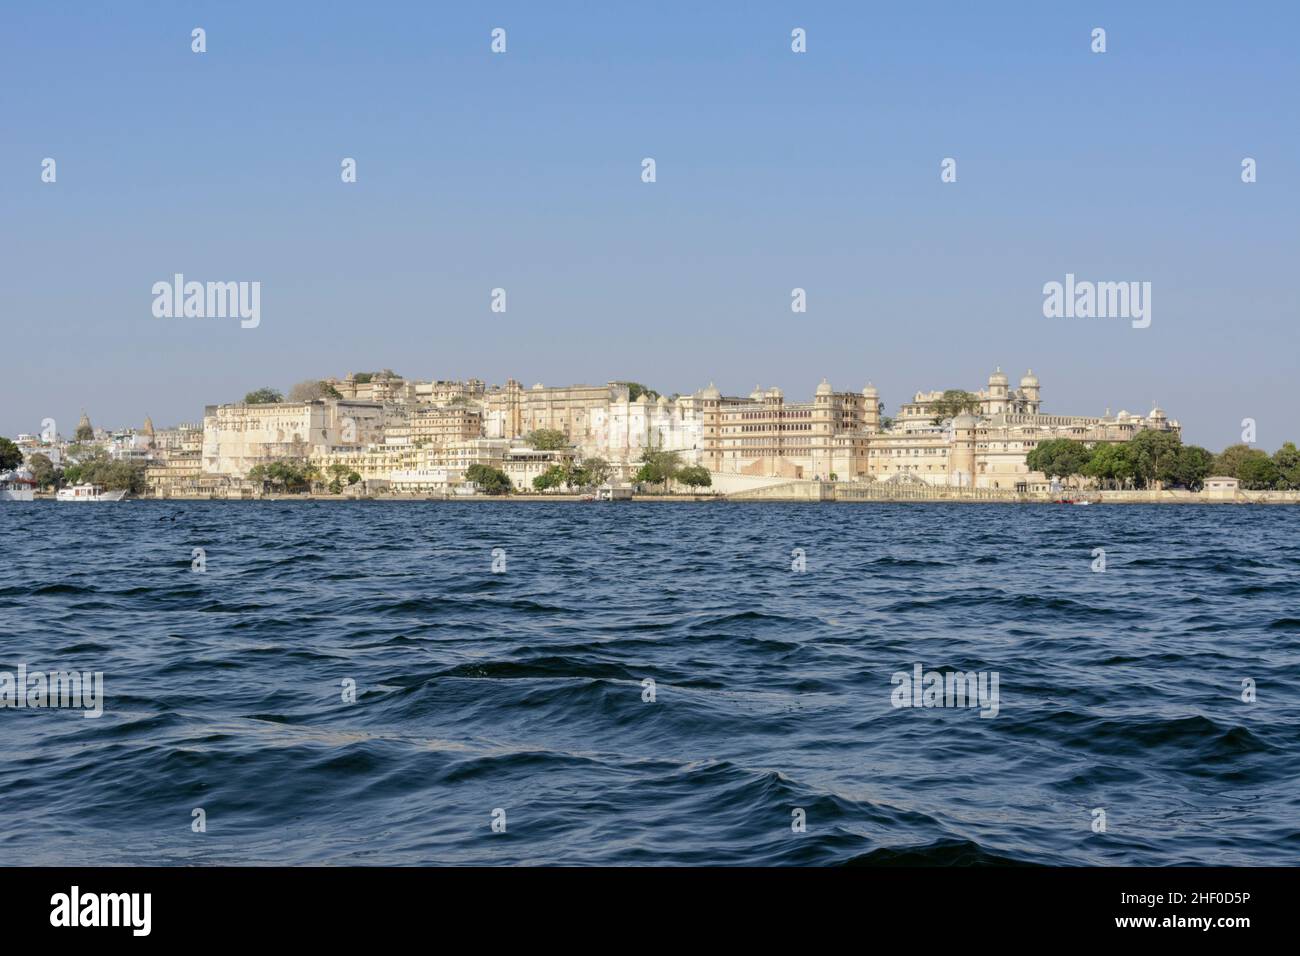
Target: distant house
1221 486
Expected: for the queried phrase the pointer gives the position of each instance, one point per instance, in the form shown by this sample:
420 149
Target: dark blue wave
525 691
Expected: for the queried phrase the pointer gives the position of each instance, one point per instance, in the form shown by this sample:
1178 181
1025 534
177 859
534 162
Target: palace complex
420 437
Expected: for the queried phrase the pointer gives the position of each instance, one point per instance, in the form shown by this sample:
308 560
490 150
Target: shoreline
1107 498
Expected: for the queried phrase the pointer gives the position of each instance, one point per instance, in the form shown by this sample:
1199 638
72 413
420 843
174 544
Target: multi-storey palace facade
422 436
762 435
840 435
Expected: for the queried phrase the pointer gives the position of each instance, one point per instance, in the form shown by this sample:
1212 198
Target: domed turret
870 391
1029 392
825 388
85 431
711 393
998 392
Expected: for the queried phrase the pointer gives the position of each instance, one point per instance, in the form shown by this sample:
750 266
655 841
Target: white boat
88 492
15 486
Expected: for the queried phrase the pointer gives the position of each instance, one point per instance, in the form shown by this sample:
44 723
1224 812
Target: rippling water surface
523 690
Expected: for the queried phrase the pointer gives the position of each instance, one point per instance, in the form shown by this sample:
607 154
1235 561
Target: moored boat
89 492
17 486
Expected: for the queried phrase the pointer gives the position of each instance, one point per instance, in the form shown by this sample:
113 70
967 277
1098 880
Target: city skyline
167 419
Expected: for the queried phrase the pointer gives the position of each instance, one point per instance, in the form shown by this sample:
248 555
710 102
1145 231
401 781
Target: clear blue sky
775 170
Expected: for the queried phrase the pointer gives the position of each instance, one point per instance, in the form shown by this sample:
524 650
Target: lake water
518 696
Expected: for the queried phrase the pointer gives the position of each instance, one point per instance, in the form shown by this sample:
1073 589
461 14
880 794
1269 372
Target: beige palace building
762 435
238 437
840 434
513 411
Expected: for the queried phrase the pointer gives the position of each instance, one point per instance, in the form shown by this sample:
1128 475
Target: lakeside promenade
812 492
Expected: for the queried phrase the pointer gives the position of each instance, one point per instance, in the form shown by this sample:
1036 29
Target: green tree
1228 462
1258 472
490 480
547 439
597 471
11 456
310 391
953 402
99 469
1059 457
1155 455
353 477
1111 464
287 474
635 390
43 470
1254 468
363 378
697 476
83 466
337 473
263 396
658 467
1287 460
552 477
1190 468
